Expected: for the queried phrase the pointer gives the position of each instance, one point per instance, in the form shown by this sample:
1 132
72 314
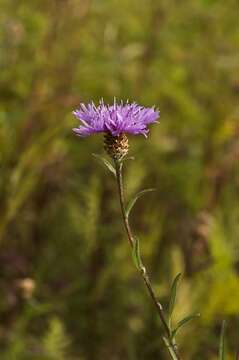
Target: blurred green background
68 288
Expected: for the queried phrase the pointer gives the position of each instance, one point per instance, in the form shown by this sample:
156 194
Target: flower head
114 119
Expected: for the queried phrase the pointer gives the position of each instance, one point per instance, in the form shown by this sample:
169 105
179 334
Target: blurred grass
59 215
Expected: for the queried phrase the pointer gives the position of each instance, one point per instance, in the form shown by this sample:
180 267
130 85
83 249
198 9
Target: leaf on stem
106 163
133 201
222 342
136 255
183 322
173 294
128 158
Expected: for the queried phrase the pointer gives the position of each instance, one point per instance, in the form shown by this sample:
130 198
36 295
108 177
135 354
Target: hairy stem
172 348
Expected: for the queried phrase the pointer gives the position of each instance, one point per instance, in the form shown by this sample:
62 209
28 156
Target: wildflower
115 121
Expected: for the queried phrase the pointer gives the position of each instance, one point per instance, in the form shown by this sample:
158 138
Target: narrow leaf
128 158
173 294
106 163
222 342
133 201
136 255
183 322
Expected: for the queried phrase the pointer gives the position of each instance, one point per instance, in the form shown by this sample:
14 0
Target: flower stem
172 348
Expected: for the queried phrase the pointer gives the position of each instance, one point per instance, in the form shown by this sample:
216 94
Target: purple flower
115 119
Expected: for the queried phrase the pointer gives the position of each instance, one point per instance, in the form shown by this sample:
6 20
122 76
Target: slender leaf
184 322
133 201
136 255
173 294
106 163
222 342
128 158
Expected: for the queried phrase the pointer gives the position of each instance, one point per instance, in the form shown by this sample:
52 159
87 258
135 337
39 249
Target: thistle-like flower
114 121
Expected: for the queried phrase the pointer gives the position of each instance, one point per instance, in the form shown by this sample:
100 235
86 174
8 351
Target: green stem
172 348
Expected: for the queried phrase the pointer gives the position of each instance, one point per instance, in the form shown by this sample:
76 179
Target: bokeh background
68 288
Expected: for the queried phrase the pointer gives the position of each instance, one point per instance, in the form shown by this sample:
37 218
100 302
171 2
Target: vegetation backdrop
68 288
